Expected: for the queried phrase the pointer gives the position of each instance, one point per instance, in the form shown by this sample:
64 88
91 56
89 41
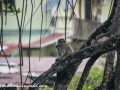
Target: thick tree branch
86 71
111 44
109 67
102 29
113 29
110 83
117 72
66 77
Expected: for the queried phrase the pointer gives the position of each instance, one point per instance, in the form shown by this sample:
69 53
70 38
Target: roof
39 66
9 50
13 79
47 40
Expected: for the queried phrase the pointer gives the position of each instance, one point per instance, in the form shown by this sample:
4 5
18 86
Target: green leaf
18 10
8 5
13 8
3 5
8 9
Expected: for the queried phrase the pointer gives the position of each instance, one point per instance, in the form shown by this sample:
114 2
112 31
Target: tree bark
100 48
117 72
109 67
62 80
72 61
100 30
86 71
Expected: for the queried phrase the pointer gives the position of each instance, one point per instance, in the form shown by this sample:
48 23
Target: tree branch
102 29
111 44
86 70
110 83
117 72
65 76
109 67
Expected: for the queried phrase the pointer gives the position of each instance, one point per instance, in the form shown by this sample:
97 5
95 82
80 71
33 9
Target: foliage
93 80
74 82
12 9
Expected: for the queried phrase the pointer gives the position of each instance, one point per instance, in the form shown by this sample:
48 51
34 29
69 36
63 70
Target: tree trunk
117 72
67 66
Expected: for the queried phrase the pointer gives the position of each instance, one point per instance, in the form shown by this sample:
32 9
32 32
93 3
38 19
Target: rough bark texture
110 83
86 71
99 31
109 66
69 64
100 48
62 80
117 72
